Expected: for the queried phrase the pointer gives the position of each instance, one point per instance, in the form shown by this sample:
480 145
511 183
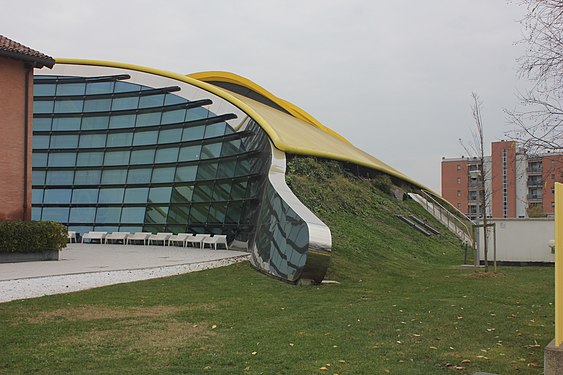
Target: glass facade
112 155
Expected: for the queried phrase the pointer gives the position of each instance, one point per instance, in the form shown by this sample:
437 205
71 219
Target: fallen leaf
254 353
323 369
433 348
213 326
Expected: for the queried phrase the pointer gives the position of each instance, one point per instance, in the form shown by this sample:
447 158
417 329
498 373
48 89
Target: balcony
535 183
534 170
535 197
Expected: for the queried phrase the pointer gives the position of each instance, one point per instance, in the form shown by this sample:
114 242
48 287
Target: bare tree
539 119
477 148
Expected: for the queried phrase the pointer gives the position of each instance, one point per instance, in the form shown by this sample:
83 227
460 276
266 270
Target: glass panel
231 147
216 213
82 214
44 90
87 176
99 88
238 190
111 195
131 102
85 196
226 169
37 177
95 122
133 215
203 193
125 87
215 130
57 195
151 101
145 138
39 160
37 196
97 105
188 153
163 174
211 151
114 176
139 176
43 106
196 114
116 158
119 139
156 215
66 123
40 141
92 140
136 195
131 229
107 215
160 195
166 155
170 136
41 124
193 133
142 157
186 173
71 88
173 117
182 194
59 214
60 177
148 119
234 212
178 214
90 159
171 99
243 168
64 141
36 213
222 192
206 171
62 159
122 121
198 213
68 106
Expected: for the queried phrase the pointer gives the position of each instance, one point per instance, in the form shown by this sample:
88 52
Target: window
459 193
459 206
459 181
458 167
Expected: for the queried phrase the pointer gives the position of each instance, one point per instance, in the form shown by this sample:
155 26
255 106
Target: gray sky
393 77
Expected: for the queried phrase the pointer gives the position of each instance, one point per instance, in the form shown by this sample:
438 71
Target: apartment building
517 185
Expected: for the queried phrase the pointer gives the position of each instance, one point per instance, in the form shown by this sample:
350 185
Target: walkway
86 266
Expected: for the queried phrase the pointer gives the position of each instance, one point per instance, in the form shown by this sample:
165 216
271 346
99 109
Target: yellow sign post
558 264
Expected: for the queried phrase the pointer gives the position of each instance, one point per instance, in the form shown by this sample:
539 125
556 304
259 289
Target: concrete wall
15 189
521 240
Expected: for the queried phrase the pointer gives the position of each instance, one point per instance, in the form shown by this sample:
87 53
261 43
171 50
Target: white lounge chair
117 236
139 236
197 240
216 240
180 237
94 236
159 237
71 236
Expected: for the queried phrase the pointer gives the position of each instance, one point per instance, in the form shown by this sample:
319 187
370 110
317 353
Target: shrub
31 236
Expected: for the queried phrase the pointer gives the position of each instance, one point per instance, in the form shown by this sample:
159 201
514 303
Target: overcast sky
393 77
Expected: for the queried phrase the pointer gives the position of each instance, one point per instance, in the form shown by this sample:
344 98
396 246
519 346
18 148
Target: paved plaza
85 266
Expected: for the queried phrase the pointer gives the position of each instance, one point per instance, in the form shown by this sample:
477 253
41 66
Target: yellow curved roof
291 133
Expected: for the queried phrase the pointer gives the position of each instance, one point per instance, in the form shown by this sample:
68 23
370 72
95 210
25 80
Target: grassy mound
361 213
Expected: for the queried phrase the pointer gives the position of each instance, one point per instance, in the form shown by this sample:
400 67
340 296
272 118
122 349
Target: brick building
16 112
517 185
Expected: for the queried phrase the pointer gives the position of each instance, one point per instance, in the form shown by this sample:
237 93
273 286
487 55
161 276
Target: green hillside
361 213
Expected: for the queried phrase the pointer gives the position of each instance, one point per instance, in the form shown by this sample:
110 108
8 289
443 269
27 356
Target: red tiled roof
10 48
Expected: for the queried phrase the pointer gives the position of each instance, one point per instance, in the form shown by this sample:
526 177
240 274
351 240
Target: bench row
185 239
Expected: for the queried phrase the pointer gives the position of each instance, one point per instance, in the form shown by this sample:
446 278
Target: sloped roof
15 50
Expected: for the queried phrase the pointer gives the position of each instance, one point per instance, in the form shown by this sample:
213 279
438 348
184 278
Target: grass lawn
403 306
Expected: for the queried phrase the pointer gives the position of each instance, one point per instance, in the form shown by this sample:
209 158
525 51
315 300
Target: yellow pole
558 264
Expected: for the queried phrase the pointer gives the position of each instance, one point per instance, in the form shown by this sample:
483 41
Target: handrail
461 226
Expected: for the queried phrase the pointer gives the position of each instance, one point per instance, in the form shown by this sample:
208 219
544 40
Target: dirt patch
90 313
